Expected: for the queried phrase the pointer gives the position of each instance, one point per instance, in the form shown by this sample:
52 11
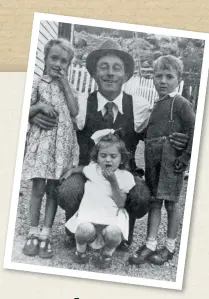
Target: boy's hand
179 166
179 141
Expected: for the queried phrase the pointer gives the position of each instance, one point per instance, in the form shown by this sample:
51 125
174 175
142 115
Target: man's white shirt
141 110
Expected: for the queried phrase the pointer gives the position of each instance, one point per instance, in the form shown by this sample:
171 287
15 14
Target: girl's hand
48 109
66 175
109 174
63 80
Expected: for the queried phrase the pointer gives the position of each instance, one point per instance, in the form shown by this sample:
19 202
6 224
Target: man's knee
85 233
138 199
112 236
70 192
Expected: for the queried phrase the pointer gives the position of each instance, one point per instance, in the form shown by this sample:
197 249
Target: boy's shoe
103 261
80 258
31 246
141 256
45 249
161 256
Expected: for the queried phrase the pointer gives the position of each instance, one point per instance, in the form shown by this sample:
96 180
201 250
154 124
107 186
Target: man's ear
125 78
94 75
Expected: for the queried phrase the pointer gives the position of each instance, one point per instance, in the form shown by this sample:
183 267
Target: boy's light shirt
141 110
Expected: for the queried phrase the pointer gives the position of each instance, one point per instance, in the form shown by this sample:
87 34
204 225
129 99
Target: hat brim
94 56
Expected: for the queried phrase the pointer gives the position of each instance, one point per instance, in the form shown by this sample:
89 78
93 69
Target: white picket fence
137 86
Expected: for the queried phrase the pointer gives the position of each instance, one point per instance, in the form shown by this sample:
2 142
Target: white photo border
8 264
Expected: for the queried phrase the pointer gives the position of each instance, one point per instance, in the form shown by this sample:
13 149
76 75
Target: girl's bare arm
71 101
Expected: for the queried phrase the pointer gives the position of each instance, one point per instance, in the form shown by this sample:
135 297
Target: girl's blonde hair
168 61
63 43
112 139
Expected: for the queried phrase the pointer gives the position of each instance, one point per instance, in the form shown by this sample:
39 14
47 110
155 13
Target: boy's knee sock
45 233
151 243
170 244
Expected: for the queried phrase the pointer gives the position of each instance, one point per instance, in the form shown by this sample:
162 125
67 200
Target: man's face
110 74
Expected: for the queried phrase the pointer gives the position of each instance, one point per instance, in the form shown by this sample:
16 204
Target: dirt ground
63 257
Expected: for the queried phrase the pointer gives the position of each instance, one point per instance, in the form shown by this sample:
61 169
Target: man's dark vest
95 121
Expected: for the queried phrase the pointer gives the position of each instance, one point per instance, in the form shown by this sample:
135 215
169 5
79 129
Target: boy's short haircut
167 61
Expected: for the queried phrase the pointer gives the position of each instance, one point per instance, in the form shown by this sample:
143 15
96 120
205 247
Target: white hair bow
97 136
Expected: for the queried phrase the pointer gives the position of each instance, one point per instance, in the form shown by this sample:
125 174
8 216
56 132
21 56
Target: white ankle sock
81 248
45 233
108 251
151 243
34 230
170 244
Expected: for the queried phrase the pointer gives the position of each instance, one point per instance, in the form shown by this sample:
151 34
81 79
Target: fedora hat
110 47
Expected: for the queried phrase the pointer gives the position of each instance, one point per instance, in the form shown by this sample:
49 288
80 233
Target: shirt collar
173 94
117 101
46 78
167 96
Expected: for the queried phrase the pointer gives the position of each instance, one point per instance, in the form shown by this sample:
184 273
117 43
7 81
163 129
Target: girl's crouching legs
112 237
85 233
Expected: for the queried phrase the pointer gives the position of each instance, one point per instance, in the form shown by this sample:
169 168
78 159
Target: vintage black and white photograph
108 151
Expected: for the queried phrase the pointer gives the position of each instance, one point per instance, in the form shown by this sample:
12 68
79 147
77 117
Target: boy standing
164 165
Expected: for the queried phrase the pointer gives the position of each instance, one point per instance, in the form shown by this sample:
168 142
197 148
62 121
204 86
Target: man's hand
43 121
179 166
66 175
179 141
48 109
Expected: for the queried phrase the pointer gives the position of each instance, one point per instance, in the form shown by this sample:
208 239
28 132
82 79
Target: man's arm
43 121
71 171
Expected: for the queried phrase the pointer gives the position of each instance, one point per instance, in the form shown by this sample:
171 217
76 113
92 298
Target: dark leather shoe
124 246
161 256
69 242
141 256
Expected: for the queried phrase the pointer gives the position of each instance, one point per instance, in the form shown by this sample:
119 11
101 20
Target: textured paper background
15 32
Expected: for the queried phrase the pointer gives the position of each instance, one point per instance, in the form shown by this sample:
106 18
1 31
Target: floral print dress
49 152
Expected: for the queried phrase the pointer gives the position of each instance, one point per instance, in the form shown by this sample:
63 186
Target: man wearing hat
109 107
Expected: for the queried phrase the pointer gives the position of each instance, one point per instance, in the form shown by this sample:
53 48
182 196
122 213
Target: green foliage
145 47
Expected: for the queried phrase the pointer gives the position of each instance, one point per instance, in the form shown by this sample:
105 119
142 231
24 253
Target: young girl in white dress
101 221
49 151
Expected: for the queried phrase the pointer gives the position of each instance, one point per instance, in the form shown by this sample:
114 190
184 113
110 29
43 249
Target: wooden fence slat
86 90
81 79
76 77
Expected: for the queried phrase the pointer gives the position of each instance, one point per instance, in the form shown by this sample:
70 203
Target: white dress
97 205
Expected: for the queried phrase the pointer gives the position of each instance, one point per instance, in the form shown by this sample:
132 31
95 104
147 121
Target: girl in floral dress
48 152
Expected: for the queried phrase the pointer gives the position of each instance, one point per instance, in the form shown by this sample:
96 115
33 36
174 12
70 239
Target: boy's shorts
161 178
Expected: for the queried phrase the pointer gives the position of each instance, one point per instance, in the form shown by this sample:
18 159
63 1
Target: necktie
108 116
